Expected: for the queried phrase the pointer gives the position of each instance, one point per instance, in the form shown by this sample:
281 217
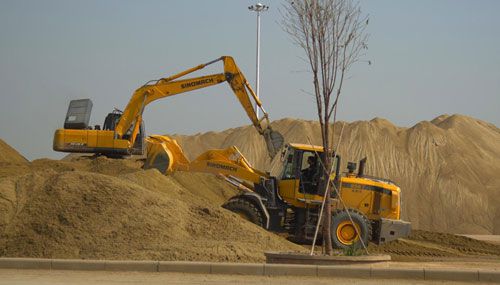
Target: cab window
309 172
289 169
306 158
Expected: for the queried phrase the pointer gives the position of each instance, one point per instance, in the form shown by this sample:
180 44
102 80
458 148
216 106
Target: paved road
42 277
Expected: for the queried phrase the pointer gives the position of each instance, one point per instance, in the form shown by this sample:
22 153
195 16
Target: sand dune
88 207
448 168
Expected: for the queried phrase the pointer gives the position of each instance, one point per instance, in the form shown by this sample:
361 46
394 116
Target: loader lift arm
166 155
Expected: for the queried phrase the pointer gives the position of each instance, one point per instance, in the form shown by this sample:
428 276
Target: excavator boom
121 139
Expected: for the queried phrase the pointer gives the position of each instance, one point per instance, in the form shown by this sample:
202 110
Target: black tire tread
241 205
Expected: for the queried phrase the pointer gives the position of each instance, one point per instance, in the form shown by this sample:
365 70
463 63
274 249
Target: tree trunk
327 215
332 34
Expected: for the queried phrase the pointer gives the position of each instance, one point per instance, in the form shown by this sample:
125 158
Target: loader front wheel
245 209
346 233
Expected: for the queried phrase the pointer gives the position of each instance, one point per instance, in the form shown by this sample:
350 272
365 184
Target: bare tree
332 34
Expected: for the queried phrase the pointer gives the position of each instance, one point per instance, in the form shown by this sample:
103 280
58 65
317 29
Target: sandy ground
99 208
494 239
42 277
447 167
112 209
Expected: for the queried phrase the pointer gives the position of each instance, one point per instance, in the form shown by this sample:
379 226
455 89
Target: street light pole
259 7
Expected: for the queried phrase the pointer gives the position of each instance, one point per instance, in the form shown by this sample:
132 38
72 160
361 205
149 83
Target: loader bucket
274 141
158 157
160 162
164 154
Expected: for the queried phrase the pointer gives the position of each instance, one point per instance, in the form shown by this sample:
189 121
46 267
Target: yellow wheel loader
289 198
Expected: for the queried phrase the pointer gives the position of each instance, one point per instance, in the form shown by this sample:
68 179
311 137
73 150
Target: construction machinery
286 199
289 198
123 132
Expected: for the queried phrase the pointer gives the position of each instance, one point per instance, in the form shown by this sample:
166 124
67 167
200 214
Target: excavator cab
110 123
112 120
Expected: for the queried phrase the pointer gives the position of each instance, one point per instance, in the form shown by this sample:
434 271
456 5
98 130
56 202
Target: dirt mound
87 207
89 163
9 156
106 208
11 161
431 246
447 168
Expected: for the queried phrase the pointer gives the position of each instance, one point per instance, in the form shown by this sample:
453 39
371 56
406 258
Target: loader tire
344 235
245 209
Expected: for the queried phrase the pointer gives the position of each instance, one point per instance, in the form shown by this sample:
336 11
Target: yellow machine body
126 137
277 201
88 141
376 198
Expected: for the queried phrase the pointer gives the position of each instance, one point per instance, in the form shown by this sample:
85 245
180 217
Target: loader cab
302 176
310 171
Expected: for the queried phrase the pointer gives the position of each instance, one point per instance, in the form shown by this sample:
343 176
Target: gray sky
430 57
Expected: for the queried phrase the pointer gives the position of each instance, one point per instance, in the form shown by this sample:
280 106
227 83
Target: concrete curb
343 271
253 269
25 263
132 265
185 267
75 264
400 273
290 269
450 274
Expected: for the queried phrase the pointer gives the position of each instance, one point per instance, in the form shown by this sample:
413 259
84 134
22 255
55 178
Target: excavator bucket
274 141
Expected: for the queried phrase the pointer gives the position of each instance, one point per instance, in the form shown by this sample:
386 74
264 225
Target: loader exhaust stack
361 169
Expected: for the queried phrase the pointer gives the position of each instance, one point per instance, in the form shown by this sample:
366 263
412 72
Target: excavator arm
170 86
132 115
158 89
123 137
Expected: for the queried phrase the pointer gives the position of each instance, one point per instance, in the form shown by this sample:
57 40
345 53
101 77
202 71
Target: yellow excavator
123 132
286 199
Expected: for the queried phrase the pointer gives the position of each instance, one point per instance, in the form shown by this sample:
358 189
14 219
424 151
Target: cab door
289 182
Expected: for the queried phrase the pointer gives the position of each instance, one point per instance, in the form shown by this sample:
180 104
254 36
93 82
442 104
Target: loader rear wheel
345 232
245 209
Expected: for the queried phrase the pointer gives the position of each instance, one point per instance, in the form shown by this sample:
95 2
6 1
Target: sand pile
105 208
11 161
87 207
433 246
448 168
10 155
